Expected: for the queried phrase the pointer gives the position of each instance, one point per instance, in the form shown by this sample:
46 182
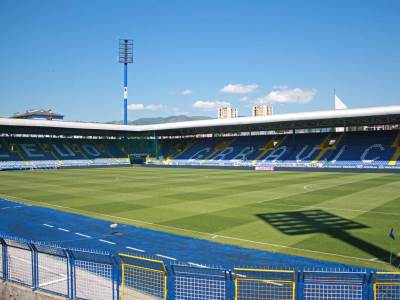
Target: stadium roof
38 114
317 119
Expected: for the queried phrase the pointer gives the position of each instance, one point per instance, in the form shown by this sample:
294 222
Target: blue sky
62 55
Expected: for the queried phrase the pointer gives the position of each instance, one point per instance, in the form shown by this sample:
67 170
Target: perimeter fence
83 274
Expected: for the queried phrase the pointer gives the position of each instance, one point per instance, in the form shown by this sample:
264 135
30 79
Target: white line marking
7 207
53 281
134 249
48 225
197 265
63 229
263 201
166 257
108 242
195 231
307 187
84 235
374 259
214 236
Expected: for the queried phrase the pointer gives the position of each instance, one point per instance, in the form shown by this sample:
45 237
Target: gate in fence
79 274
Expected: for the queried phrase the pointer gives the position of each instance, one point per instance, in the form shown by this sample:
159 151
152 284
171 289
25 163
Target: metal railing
83 274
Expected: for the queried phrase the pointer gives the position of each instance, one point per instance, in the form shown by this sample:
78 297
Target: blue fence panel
1 260
93 275
194 283
82 274
20 263
321 285
387 286
52 270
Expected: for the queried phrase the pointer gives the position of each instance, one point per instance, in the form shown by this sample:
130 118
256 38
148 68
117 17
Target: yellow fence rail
142 278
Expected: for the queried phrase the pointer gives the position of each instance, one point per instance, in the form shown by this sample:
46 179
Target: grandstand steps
325 146
104 149
396 142
122 148
77 148
396 155
179 153
172 151
271 145
219 148
15 149
46 148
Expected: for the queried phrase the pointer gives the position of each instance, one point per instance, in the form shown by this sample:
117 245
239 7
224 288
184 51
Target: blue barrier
85 274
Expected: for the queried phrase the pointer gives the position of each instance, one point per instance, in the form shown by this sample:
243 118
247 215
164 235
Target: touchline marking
166 257
108 242
134 249
48 225
63 229
193 231
84 235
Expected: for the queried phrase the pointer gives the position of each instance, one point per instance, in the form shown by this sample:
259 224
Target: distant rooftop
38 114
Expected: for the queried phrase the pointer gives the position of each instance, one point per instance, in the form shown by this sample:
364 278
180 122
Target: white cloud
284 94
239 88
209 105
141 106
244 99
187 92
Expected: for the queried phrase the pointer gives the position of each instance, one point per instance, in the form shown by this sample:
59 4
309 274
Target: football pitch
330 216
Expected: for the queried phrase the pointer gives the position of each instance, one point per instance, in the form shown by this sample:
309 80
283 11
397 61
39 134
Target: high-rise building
227 112
262 110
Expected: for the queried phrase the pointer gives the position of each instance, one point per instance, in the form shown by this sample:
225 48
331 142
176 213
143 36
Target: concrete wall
11 291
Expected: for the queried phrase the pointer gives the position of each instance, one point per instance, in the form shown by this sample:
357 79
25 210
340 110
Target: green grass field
338 217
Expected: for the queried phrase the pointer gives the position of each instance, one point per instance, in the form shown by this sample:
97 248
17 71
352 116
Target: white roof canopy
326 118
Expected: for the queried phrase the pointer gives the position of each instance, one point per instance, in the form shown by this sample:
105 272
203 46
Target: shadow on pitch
319 221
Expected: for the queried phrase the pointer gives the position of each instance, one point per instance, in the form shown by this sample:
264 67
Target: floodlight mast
125 57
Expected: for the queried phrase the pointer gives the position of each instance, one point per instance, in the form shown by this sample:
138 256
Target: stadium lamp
125 57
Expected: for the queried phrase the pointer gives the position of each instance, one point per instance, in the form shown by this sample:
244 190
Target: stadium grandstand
320 139
67 245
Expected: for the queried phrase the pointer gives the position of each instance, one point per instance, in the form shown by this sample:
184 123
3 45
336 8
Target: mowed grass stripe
237 202
219 201
252 210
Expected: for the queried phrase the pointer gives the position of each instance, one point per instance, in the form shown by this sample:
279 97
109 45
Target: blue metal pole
125 94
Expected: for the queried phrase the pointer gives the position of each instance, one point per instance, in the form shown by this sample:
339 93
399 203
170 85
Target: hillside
161 120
